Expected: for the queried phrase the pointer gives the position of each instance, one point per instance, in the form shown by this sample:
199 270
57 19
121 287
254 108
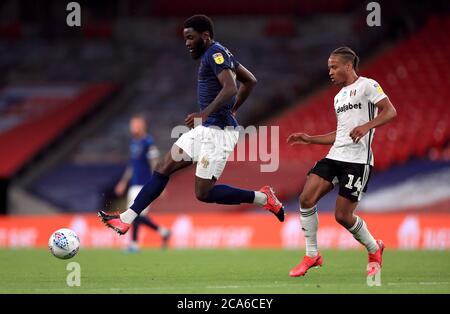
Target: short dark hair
348 55
200 23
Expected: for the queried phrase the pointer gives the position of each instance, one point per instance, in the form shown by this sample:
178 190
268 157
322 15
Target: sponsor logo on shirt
349 106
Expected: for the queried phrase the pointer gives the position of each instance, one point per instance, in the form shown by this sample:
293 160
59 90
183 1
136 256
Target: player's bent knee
203 196
306 201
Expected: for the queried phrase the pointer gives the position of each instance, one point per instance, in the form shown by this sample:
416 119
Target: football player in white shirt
360 106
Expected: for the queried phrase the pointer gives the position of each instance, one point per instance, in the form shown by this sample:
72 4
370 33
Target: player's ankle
260 198
128 216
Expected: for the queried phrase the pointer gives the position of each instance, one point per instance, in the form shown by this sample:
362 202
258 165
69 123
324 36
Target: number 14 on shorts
357 184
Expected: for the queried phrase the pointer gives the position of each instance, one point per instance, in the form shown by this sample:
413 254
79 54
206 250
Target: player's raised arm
248 81
153 156
303 138
121 186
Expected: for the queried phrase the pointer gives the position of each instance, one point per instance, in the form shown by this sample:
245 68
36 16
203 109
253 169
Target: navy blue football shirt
139 161
215 59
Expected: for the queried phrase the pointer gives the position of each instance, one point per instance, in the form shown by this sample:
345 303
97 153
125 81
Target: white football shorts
210 148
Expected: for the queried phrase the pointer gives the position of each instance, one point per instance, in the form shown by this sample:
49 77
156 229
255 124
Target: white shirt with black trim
355 105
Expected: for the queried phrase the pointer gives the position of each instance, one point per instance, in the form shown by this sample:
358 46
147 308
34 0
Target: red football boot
305 264
114 222
375 259
273 204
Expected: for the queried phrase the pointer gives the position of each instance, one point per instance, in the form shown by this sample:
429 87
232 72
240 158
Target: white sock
363 236
260 198
310 222
128 216
163 232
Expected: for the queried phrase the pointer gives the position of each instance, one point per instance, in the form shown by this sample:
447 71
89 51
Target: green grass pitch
220 271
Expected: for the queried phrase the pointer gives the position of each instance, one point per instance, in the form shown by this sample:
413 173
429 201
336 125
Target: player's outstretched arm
303 138
229 89
386 112
248 81
153 156
123 183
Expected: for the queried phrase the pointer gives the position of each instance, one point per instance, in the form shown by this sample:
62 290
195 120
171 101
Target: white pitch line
68 289
255 286
424 283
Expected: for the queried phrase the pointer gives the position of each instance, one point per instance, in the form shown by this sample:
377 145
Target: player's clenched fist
190 119
357 133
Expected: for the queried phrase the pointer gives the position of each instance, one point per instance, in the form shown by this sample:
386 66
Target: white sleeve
374 92
153 152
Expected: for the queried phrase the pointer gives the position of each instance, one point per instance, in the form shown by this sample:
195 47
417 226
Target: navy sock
136 224
149 192
148 222
142 220
225 194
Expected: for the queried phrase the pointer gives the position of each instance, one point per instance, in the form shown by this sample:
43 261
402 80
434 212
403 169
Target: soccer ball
64 243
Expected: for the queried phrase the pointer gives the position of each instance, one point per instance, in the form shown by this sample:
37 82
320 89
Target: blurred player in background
213 141
349 161
144 156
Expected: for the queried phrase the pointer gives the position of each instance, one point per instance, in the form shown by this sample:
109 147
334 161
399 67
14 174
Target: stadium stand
95 189
31 120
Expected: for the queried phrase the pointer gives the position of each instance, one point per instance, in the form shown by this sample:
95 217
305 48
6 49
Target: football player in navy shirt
209 144
144 156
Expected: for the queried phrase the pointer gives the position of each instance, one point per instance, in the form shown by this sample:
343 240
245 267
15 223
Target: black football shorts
352 178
